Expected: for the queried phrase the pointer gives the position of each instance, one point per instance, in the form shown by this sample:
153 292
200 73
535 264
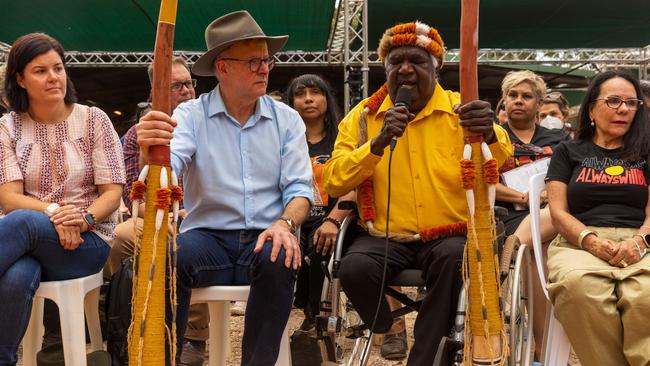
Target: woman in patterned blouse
61 177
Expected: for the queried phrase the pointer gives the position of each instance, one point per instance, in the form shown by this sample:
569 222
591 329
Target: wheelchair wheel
518 301
341 339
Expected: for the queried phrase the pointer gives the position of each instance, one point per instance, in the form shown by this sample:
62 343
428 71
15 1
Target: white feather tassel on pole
164 183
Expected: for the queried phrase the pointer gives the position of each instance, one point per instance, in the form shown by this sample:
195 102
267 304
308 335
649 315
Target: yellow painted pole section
484 234
147 344
151 350
485 316
168 11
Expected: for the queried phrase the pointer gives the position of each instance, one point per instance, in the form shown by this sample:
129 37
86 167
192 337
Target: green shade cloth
130 26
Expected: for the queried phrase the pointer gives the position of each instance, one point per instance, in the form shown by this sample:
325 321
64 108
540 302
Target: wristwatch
289 221
89 218
49 210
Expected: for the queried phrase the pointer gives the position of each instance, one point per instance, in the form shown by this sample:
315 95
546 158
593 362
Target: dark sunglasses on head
555 97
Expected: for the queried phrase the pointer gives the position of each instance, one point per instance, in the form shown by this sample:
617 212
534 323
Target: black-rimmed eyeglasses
190 84
255 63
616 102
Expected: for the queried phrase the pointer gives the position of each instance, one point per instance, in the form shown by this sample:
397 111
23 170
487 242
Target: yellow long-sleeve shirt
426 185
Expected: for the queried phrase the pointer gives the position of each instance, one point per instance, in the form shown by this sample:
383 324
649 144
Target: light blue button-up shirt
239 177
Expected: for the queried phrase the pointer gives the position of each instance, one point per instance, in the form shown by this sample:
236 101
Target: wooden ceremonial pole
484 325
147 336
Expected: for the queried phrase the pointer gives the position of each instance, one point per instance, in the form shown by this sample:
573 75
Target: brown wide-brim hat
228 29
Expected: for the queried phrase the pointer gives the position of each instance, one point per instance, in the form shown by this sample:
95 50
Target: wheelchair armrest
500 213
347 205
349 222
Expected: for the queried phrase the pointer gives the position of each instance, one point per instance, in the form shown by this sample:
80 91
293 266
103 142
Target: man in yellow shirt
428 209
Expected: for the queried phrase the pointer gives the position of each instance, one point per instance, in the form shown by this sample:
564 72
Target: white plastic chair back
556 346
536 185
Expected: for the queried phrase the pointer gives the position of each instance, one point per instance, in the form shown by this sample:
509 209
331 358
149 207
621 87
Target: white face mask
552 123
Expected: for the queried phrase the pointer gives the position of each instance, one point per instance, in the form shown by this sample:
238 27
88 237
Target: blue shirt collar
262 108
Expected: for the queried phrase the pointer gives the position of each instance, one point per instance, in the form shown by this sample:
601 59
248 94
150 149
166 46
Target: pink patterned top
63 162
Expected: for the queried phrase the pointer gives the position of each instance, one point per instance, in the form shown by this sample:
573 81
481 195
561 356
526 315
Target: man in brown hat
247 181
181 90
428 208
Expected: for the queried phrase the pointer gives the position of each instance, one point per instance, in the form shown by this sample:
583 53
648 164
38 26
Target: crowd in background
61 194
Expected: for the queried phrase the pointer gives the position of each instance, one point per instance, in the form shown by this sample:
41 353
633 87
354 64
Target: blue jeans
30 251
225 257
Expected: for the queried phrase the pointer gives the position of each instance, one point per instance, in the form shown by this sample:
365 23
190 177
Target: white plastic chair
218 299
72 297
556 346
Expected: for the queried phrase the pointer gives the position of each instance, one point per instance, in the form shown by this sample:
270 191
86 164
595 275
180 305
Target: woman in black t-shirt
312 97
599 276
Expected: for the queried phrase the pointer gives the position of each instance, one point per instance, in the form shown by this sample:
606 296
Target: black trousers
309 284
440 260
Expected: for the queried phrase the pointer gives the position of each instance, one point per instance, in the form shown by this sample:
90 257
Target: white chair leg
73 332
91 309
284 357
219 332
34 336
556 347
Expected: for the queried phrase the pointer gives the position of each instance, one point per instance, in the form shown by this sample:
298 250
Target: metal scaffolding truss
347 44
4 49
596 58
347 47
143 59
601 58
349 29
568 56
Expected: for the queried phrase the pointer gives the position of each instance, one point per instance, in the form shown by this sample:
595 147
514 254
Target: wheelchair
344 340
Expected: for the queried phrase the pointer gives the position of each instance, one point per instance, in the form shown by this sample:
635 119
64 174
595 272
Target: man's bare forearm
297 210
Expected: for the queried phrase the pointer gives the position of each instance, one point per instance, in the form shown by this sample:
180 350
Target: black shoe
394 346
307 324
304 349
51 339
193 353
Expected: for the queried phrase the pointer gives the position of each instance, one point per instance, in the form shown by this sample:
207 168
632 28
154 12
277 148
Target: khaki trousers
604 310
123 244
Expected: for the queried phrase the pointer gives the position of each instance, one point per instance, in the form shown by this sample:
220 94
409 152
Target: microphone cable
382 291
402 99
